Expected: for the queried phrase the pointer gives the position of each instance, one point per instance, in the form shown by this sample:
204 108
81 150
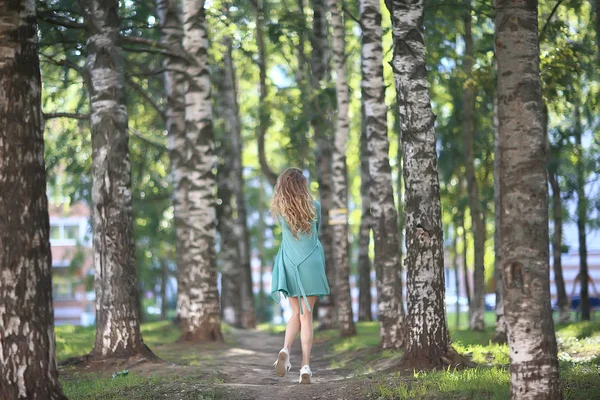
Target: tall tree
465 258
340 181
428 341
500 336
263 107
524 204
456 275
564 314
195 216
385 217
476 307
234 132
117 312
321 124
229 255
581 215
27 371
364 234
171 36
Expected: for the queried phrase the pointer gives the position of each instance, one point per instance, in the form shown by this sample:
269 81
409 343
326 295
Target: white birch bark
117 311
524 205
428 342
195 216
383 209
27 344
340 184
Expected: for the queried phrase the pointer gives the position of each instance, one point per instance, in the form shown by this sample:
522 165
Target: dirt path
249 374
240 369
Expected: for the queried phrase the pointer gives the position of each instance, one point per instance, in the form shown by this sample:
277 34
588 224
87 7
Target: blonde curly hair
292 201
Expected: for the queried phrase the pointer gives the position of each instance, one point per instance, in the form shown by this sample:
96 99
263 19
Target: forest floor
351 368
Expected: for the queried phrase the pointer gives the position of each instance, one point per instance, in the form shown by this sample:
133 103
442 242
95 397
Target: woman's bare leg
293 325
306 327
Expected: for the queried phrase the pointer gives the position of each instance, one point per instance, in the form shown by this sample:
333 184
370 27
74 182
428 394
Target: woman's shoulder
316 204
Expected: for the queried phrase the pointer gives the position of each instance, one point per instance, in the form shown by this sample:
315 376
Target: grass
475 383
73 341
579 361
137 387
578 345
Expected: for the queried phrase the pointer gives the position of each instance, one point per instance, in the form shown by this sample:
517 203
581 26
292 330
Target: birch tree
340 184
524 204
364 232
428 341
390 309
322 127
234 131
27 371
195 216
500 336
476 307
117 311
229 254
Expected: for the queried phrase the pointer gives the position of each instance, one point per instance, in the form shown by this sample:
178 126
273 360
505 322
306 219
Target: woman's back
305 242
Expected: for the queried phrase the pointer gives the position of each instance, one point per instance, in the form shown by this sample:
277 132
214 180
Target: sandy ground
249 373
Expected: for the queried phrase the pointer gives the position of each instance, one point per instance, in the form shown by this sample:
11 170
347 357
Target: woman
299 269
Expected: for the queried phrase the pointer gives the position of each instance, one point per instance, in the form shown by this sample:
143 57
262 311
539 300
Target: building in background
72 264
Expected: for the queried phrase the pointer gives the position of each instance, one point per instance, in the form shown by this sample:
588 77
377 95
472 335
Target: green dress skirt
299 269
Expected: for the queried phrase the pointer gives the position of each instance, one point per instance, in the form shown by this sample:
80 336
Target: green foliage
569 74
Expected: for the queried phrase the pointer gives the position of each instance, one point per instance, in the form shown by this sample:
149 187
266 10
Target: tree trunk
465 264
364 235
195 214
564 314
500 336
401 216
582 219
248 317
234 134
229 256
260 244
456 275
476 309
524 205
263 107
27 345
115 282
428 341
340 183
321 123
385 218
164 267
171 31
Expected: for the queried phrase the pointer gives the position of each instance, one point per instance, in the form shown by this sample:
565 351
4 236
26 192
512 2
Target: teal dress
299 269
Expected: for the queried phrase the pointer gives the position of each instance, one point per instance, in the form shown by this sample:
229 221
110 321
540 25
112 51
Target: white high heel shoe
282 364
305 374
